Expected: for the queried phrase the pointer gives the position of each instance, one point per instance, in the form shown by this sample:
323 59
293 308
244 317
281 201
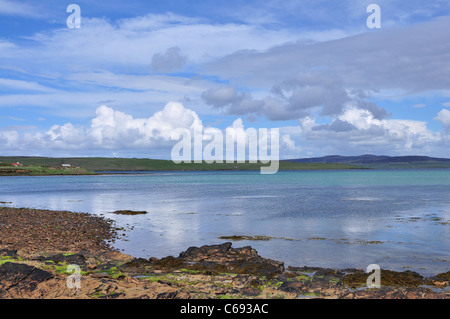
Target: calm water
399 219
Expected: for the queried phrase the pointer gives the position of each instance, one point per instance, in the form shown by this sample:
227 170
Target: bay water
398 219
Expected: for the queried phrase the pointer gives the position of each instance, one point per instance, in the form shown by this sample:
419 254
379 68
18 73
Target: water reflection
329 219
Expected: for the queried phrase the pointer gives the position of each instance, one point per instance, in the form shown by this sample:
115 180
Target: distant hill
99 164
380 161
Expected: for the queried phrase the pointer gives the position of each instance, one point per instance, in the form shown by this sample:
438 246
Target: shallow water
399 219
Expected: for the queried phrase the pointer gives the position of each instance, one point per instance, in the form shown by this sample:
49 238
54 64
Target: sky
135 71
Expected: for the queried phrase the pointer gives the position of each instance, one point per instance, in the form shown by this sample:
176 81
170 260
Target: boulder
224 258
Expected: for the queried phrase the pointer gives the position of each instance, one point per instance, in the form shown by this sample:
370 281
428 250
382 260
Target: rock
208 252
294 287
20 279
113 255
167 282
169 263
31 231
388 278
167 295
224 258
75 259
101 275
129 212
8 252
137 263
443 276
251 292
440 280
136 266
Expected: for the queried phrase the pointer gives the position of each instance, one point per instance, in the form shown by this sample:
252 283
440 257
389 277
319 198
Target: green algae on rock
388 278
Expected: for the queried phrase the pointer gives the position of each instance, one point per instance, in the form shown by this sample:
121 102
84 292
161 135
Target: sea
397 219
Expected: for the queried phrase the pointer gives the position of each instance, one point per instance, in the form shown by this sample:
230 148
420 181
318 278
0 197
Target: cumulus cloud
444 117
359 129
114 129
232 101
9 138
312 89
294 98
354 131
109 129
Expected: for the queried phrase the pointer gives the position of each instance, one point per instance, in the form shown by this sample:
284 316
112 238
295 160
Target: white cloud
9 138
137 93
109 129
358 131
444 117
289 146
155 21
100 43
16 8
114 129
24 85
355 131
408 132
5 46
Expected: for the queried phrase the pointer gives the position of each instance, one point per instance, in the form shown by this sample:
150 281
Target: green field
100 164
36 170
413 165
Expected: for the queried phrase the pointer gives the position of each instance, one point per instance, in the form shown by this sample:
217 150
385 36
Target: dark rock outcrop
224 258
129 212
8 252
18 279
77 259
211 259
388 278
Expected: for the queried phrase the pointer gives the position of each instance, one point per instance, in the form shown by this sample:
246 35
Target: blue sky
137 70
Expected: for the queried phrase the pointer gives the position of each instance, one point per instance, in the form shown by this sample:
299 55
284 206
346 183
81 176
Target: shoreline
37 246
152 172
156 172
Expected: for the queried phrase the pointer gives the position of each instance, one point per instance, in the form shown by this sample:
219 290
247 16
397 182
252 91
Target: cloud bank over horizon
114 132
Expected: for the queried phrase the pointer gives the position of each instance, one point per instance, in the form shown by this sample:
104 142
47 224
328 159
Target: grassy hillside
413 165
36 170
381 162
134 164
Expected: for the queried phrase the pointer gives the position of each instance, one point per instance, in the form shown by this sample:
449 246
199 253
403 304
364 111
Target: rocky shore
65 255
